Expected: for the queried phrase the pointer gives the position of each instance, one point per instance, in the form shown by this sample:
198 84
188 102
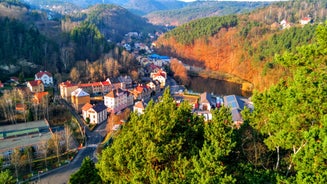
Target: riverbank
246 86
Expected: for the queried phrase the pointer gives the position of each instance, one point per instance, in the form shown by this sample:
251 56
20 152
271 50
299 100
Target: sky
236 0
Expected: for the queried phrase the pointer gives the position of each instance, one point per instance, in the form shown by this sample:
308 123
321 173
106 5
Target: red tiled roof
106 83
113 93
41 73
67 84
87 106
38 96
85 85
306 19
35 83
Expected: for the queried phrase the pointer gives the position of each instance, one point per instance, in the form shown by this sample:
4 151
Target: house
21 107
118 99
45 77
87 87
79 97
142 92
285 24
127 80
94 114
66 89
14 80
35 86
161 76
40 97
139 107
116 83
154 85
236 104
205 102
205 114
305 20
21 135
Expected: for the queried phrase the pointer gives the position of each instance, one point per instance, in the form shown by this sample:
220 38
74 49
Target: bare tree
7 103
16 160
43 150
74 74
68 135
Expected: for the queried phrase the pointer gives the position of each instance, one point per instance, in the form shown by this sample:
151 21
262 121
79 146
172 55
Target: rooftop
23 134
80 93
41 73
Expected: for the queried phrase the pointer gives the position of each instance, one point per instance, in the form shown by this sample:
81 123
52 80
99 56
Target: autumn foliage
247 46
179 70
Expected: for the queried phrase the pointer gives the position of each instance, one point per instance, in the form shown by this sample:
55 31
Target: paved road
61 175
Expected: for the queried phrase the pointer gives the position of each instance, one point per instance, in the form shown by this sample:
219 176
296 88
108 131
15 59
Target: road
61 175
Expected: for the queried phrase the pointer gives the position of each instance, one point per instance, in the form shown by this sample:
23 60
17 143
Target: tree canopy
168 144
86 174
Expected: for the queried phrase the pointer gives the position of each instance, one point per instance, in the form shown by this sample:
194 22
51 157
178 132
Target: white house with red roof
94 114
305 20
139 107
45 77
161 76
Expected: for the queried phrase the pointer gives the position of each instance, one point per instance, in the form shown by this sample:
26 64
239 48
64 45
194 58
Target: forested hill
140 7
114 21
201 9
246 48
32 39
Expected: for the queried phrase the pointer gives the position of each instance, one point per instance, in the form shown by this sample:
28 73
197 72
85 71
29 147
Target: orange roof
90 84
140 105
38 96
67 84
306 19
105 83
20 107
85 85
87 106
35 82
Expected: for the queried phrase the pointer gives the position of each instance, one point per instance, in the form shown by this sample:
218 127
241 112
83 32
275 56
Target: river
217 87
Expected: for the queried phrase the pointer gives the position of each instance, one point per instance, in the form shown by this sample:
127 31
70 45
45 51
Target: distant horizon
235 0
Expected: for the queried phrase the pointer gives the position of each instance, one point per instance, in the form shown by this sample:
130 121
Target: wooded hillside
245 49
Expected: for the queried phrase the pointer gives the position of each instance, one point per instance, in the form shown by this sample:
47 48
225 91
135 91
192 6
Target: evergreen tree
87 174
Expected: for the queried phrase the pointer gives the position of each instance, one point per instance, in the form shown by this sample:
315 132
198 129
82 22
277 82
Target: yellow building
35 86
79 98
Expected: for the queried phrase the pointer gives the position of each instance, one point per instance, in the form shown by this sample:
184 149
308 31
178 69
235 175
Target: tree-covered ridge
247 50
114 21
292 114
286 40
89 42
19 42
201 9
189 32
169 144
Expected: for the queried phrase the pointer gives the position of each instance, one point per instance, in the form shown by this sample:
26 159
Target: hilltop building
45 77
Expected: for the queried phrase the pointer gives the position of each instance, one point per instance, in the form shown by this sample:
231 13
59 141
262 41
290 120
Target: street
61 175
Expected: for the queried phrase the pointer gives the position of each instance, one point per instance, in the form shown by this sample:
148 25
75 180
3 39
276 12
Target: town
42 145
